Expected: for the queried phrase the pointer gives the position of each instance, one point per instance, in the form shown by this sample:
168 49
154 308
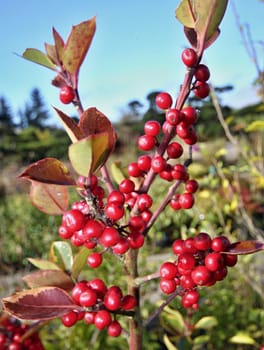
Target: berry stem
140 280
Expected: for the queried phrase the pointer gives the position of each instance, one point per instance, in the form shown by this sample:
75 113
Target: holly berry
202 73
189 115
114 329
189 57
152 128
173 116
164 100
146 142
201 275
168 270
69 319
126 186
144 162
174 150
66 94
186 200
201 89
73 220
94 260
102 319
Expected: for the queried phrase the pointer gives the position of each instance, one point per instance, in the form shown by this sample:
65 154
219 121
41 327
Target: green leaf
117 172
61 254
89 154
206 322
176 316
43 264
257 125
77 45
50 199
242 338
59 44
51 53
37 56
54 278
79 261
169 345
184 13
201 339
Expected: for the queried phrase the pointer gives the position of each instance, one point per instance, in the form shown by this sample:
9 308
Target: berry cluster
201 261
99 303
12 335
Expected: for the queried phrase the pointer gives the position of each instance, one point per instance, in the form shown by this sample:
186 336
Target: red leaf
44 278
44 303
72 129
50 199
245 247
77 45
49 171
59 44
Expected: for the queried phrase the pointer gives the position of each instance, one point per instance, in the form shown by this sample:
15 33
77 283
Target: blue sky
136 50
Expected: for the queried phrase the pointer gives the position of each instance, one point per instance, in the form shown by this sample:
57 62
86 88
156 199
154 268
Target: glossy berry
116 196
201 275
146 142
230 259
158 164
191 186
109 237
121 247
190 298
144 162
168 286
98 286
168 270
128 302
114 211
88 298
186 200
102 319
66 94
201 89
144 201
114 329
202 241
174 150
214 261
69 319
112 300
173 116
189 57
73 220
186 261
126 186
152 128
134 170
94 260
220 244
189 115
202 73
164 100
78 289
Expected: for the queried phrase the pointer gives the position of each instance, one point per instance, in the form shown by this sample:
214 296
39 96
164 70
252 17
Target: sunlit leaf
245 247
79 262
178 320
206 322
37 56
61 254
257 125
117 172
77 45
242 338
89 154
50 199
43 303
72 129
185 14
169 345
48 171
54 278
51 53
43 264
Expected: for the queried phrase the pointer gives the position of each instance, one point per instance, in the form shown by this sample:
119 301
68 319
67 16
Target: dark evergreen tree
6 117
35 113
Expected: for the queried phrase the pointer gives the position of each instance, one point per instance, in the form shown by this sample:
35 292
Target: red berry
220 244
201 275
202 241
158 164
128 302
73 220
109 237
114 329
186 261
92 229
88 298
174 202
168 270
190 298
167 286
78 289
230 259
136 240
144 162
69 319
187 282
189 245
98 286
89 317
102 319
126 186
114 211
202 73
201 89
173 116
164 100
144 201
174 150
220 274
183 130
121 247
112 300
191 186
65 232
66 94
186 200
116 196
152 128
189 115
189 57
146 142
178 246
94 260
133 170
214 261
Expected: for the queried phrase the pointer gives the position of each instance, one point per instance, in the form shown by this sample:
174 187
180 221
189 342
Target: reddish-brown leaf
51 53
44 303
50 199
73 130
245 247
59 44
53 278
77 45
48 171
